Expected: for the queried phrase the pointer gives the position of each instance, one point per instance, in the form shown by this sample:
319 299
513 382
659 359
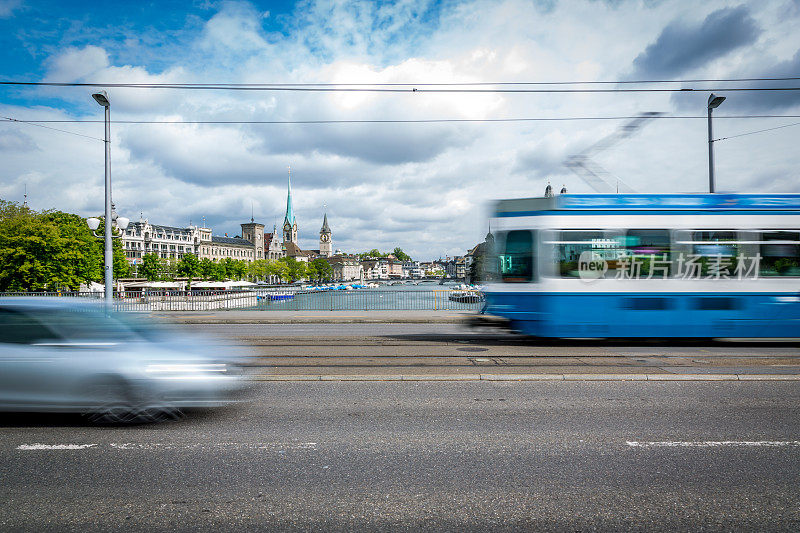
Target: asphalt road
286 350
441 456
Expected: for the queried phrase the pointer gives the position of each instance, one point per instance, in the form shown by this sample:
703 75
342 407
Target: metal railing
284 300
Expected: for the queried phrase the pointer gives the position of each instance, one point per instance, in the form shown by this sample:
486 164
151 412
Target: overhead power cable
417 84
376 88
31 123
40 123
397 121
757 131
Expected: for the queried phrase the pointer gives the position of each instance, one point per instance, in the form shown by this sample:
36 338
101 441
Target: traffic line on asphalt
317 316
38 446
278 446
713 443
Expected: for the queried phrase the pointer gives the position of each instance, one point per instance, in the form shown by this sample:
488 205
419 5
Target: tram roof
649 202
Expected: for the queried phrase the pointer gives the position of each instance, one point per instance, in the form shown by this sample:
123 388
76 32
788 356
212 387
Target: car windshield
86 324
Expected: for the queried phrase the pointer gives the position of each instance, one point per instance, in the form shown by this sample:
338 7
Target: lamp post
102 99
713 102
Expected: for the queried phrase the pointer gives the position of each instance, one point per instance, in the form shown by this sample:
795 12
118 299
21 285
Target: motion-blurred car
67 355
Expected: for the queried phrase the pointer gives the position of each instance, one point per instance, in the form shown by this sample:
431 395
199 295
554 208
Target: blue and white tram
689 265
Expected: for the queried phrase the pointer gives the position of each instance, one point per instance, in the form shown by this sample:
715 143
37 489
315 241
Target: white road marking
54 446
712 443
175 446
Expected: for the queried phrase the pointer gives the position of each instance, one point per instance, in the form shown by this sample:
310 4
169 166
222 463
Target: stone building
346 268
168 242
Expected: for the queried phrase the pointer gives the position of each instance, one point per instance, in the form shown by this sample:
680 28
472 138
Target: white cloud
74 64
422 187
7 7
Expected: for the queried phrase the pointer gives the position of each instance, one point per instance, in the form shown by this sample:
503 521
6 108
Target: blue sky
423 187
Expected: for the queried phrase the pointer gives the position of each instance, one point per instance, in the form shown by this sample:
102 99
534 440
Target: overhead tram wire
757 131
395 121
407 84
35 123
407 88
40 123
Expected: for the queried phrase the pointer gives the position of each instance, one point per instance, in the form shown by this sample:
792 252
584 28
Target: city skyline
421 186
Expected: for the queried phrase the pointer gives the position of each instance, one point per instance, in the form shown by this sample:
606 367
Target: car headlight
187 369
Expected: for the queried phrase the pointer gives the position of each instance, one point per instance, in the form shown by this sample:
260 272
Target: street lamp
713 102
102 99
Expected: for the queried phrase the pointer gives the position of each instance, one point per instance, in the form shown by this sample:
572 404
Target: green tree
169 269
311 272
278 268
400 254
206 268
50 250
257 270
323 271
220 271
476 270
151 267
296 270
374 253
238 269
189 266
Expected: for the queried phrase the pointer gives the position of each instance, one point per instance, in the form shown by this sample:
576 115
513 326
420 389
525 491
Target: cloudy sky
422 186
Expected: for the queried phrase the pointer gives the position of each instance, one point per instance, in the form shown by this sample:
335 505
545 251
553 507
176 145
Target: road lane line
38 446
175 445
713 443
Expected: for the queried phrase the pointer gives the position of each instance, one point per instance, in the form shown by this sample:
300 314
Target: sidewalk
316 317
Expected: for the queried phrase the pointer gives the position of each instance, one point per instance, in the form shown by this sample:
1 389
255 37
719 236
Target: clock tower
325 238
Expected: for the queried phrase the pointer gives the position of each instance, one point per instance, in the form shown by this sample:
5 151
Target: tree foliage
400 254
322 270
151 267
206 268
50 250
295 270
189 266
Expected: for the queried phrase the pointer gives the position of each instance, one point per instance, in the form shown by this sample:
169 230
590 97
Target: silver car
69 355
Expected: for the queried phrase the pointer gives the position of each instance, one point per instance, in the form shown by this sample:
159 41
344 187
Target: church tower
289 221
325 238
254 232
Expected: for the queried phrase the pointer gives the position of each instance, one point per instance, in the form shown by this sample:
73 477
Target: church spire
325 227
289 211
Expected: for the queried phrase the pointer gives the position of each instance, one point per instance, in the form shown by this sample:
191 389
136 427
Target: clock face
324 238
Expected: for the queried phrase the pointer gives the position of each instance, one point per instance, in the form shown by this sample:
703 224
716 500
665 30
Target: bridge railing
282 300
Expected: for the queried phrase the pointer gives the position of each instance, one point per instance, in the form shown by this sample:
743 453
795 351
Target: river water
425 296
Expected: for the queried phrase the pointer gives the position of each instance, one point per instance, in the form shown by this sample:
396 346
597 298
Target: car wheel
116 402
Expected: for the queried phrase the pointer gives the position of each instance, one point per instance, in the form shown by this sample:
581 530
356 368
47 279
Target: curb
529 377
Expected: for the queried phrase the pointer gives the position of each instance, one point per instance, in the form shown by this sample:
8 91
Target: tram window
708 243
650 252
516 261
780 254
571 244
715 251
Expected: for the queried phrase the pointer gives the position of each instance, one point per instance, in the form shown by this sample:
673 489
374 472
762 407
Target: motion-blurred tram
689 265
